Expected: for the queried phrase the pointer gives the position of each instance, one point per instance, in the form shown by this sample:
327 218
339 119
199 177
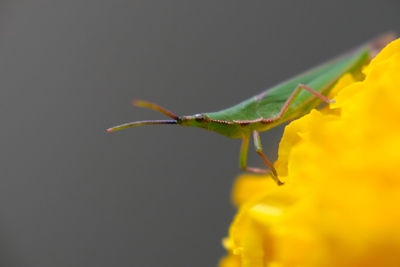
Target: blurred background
73 195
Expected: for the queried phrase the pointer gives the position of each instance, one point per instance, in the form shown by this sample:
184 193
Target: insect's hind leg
243 158
295 93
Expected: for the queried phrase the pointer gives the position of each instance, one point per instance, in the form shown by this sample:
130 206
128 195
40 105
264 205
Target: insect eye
202 118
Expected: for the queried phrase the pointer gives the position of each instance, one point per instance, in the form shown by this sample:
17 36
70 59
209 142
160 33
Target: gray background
72 195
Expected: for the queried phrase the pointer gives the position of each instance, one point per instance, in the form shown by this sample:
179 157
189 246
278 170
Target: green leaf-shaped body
252 114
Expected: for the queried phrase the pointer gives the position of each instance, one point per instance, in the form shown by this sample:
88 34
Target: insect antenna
145 104
140 123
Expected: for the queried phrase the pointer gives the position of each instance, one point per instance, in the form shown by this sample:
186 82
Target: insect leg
258 147
243 153
295 93
243 161
317 94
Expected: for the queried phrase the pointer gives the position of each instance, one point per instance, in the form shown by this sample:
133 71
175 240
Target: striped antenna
145 104
139 123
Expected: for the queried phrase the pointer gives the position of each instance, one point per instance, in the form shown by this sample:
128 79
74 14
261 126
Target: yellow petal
249 186
339 206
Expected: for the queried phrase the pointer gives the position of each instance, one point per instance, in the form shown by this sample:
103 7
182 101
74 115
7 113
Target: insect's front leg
243 158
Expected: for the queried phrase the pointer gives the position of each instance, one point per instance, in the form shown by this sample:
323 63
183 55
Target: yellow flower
340 203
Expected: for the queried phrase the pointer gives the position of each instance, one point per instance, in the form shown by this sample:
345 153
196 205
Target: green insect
274 106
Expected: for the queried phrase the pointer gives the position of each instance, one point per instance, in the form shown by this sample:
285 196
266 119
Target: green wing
269 103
